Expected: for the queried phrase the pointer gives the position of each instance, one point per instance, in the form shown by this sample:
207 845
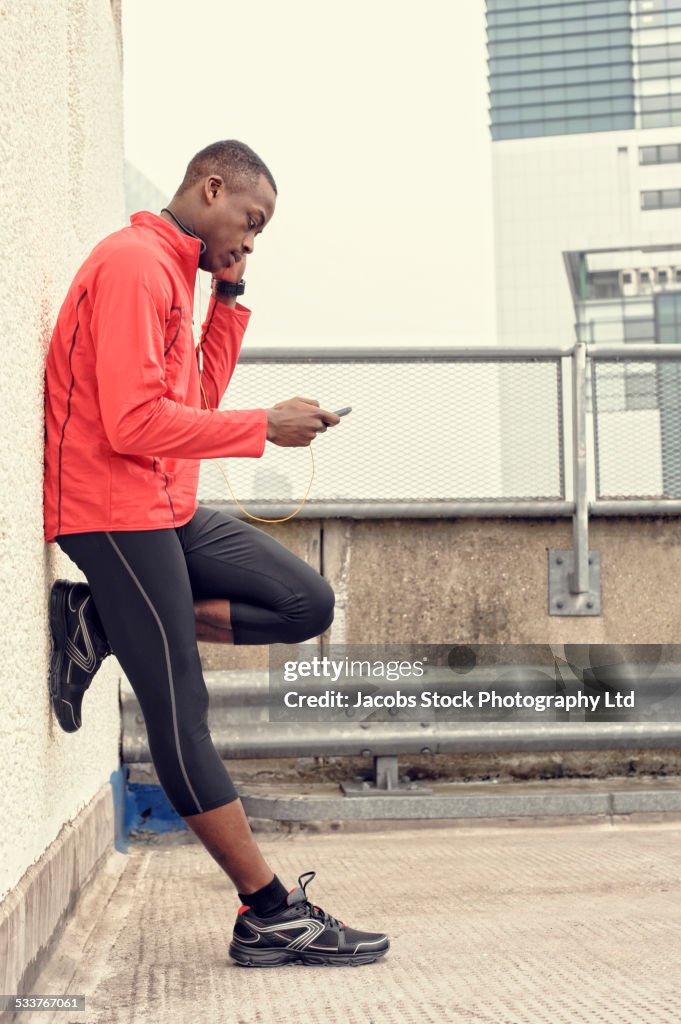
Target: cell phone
344 411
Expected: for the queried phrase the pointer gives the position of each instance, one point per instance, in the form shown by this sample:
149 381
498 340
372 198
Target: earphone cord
186 230
234 498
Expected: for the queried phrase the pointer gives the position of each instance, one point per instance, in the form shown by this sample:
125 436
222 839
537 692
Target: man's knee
326 608
319 604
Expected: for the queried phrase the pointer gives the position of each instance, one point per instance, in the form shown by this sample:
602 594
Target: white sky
372 116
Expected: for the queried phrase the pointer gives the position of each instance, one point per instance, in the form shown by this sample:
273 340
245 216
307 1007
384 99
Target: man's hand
297 421
233 274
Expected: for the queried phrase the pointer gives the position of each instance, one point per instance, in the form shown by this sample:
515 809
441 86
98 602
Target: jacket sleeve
127 328
221 337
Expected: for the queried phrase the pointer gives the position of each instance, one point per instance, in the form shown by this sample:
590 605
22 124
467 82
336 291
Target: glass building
600 65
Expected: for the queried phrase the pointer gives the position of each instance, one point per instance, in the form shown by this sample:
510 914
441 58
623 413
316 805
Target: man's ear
213 186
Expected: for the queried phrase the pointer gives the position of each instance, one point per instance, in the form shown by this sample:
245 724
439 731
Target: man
125 431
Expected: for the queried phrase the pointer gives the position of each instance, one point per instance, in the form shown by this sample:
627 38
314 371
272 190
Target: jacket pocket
178 342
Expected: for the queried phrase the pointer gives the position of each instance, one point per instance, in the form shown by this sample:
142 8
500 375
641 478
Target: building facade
585 122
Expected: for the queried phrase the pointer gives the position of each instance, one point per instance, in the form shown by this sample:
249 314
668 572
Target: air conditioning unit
628 281
646 280
676 275
664 276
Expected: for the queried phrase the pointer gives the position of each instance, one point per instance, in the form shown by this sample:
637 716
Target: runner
126 426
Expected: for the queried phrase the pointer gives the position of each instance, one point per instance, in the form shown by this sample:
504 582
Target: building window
667 119
671 197
664 102
661 198
668 318
659 69
640 391
564 68
666 154
660 15
667 51
639 330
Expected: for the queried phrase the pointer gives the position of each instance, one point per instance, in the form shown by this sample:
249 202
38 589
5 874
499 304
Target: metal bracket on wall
386 781
564 597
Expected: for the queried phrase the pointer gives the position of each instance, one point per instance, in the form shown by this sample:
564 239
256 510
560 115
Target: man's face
232 220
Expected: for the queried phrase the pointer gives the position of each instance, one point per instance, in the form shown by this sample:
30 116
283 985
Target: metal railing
241 724
433 432
469 431
454 431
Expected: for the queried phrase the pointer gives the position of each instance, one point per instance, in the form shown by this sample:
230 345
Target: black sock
268 900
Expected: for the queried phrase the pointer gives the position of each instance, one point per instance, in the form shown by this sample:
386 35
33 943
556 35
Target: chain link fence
637 428
423 429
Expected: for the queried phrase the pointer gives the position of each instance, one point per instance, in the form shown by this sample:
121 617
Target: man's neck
182 224
183 217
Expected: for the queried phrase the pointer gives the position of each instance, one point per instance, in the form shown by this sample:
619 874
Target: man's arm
293 423
128 334
221 336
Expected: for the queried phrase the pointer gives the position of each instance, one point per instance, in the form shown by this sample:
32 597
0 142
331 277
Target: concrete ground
501 924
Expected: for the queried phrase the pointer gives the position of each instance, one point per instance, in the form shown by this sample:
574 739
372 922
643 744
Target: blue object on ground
147 809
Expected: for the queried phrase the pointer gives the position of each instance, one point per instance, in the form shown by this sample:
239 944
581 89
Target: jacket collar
183 247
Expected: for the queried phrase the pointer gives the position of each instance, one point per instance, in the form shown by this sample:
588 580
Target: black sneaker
79 645
301 933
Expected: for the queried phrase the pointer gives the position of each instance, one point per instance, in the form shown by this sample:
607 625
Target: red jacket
124 425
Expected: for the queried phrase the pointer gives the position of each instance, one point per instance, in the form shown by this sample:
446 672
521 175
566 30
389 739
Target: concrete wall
486 581
61 149
481 581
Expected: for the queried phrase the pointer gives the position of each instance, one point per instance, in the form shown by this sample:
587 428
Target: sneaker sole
63 709
248 957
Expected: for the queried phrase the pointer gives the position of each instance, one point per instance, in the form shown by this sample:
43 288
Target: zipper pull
200 357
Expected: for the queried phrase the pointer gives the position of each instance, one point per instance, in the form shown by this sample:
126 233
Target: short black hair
234 161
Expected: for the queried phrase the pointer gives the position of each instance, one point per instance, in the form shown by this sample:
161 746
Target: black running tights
143 585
